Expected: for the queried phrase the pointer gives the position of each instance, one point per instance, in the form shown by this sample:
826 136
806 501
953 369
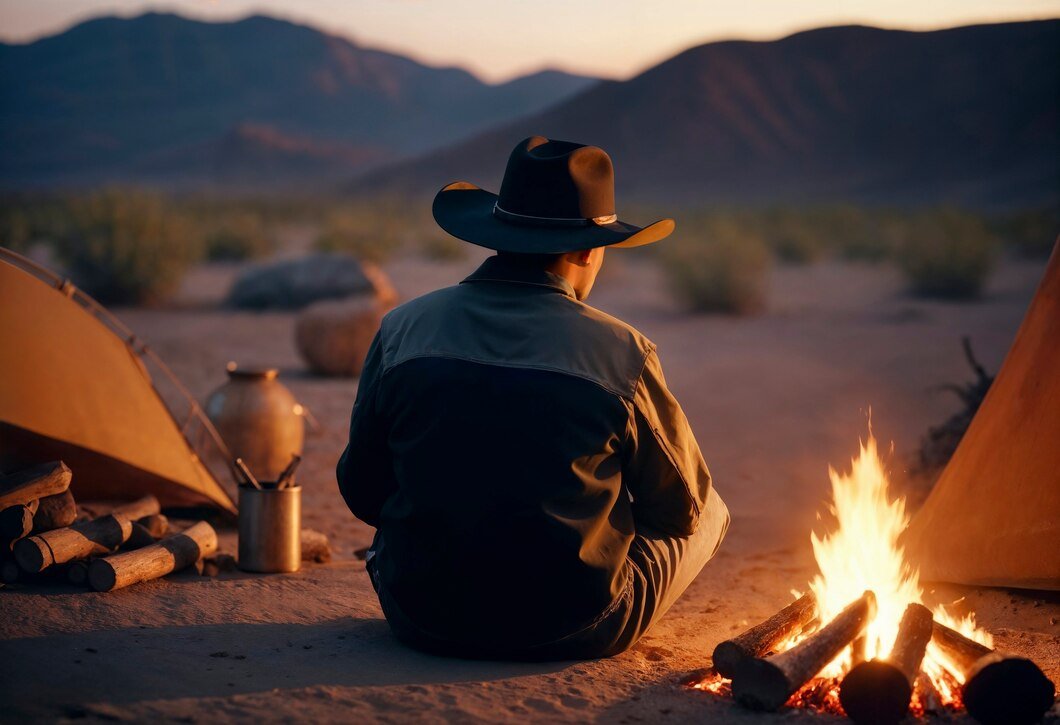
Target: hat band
548 221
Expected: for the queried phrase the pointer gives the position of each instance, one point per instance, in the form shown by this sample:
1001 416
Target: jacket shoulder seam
504 364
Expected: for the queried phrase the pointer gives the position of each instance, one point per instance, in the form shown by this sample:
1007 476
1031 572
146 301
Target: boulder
292 284
333 336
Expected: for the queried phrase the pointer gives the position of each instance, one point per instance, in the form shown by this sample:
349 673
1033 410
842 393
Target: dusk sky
497 39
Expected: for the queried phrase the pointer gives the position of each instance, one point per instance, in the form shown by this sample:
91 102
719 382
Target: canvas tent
993 518
71 388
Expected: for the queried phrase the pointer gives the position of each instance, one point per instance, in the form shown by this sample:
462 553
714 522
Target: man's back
505 419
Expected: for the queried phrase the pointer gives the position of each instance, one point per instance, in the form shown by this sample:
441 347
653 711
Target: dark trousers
662 567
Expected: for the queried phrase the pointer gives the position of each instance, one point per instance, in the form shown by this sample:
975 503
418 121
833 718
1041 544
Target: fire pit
861 642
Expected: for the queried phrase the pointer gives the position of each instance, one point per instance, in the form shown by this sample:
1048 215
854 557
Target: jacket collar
504 269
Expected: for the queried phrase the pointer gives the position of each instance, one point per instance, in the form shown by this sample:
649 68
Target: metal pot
259 420
270 526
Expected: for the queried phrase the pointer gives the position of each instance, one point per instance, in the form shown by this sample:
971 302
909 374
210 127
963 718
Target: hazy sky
501 38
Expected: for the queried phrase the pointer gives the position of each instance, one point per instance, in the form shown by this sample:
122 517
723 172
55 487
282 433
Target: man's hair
539 261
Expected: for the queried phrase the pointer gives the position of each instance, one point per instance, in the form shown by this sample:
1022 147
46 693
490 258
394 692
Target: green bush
126 247
238 236
946 254
370 235
717 265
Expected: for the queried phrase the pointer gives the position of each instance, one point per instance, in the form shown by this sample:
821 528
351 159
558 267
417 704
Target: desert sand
774 400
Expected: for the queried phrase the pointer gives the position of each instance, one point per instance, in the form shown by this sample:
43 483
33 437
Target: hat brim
466 212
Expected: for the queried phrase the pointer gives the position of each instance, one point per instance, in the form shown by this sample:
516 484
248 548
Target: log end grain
16 522
875 692
101 575
55 512
765 686
1010 690
729 657
32 554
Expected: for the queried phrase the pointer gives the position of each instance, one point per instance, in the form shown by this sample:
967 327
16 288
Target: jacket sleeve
663 468
365 471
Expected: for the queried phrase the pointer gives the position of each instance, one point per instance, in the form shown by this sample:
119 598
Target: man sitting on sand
536 489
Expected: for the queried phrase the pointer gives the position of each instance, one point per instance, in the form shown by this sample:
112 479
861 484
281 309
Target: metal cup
270 528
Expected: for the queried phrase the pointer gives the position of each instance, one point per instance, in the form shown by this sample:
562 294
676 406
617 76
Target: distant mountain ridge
966 116
161 97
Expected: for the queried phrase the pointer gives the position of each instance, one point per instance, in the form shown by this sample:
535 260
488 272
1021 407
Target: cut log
156 524
92 538
16 521
55 512
879 691
315 546
77 573
139 537
168 555
761 638
138 509
766 684
33 483
997 688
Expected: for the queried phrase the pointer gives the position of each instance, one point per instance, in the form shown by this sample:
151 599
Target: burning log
998 688
168 555
16 521
762 638
33 483
766 684
879 691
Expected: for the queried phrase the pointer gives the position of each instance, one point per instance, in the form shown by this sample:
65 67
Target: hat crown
558 180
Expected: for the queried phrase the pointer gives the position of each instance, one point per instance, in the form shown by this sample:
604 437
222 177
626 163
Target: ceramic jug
259 420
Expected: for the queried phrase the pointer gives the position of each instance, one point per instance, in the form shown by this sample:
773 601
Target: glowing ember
862 553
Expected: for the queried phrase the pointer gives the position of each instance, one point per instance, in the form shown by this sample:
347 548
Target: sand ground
773 400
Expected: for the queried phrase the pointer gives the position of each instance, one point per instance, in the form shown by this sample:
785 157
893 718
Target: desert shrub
1030 233
238 236
792 236
126 247
947 254
717 265
372 235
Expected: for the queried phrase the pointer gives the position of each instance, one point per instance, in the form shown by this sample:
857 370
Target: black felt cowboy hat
556 196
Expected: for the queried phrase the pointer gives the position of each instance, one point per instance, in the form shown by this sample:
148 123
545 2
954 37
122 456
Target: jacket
507 442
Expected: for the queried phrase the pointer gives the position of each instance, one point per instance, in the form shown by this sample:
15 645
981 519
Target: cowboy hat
556 197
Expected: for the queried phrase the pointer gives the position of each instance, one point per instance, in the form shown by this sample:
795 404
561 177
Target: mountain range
967 116
164 98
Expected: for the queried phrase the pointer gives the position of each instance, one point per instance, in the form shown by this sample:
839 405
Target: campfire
861 642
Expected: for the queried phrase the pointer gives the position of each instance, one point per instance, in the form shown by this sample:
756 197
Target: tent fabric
993 518
72 389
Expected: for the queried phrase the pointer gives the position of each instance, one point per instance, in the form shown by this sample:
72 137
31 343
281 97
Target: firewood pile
758 671
45 535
